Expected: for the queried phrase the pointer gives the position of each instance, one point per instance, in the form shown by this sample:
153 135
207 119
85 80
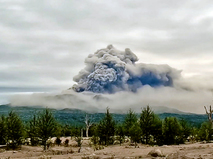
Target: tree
185 130
75 131
194 134
46 126
120 132
95 132
66 130
106 128
209 115
147 119
135 133
129 121
3 133
171 131
88 123
33 130
156 130
14 129
205 131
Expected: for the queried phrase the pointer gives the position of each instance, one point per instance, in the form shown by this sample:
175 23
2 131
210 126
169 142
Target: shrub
78 140
58 141
66 143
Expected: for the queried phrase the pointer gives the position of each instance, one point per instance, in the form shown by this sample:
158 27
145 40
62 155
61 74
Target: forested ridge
40 124
76 116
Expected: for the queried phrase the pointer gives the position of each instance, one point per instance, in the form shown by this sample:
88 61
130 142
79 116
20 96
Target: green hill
76 117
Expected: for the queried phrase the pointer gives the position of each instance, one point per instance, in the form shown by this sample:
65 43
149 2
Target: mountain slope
76 117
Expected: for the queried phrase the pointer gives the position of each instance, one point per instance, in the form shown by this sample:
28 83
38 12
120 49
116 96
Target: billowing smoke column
110 70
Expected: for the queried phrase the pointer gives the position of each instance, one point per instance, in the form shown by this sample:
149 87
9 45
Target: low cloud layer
120 102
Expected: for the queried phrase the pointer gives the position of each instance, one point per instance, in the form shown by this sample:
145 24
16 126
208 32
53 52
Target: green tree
156 130
185 130
194 134
106 128
120 133
47 126
135 133
14 129
95 138
171 131
32 130
147 123
129 121
66 130
205 132
75 132
3 133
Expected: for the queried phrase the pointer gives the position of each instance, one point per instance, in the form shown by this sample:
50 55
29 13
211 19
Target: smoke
114 79
110 70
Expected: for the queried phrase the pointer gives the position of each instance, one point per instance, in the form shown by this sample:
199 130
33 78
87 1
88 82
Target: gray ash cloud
110 70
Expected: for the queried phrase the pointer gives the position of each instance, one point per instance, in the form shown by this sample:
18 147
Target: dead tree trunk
209 115
88 123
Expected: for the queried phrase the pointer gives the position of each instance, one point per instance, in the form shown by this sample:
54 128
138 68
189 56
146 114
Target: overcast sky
44 43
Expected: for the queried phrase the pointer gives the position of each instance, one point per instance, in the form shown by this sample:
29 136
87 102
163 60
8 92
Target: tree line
148 128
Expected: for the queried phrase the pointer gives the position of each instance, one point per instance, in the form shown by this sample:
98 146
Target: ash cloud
114 79
109 70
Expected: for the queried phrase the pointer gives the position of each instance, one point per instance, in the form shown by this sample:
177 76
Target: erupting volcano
109 70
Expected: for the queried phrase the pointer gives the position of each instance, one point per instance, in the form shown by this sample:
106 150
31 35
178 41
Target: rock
85 151
179 155
45 157
116 142
85 142
203 142
155 153
126 139
165 146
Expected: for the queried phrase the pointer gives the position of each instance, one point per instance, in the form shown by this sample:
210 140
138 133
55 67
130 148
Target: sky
44 43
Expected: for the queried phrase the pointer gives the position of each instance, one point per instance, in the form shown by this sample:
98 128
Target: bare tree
88 123
209 115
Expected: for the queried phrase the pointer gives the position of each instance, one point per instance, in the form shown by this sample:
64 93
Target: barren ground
186 151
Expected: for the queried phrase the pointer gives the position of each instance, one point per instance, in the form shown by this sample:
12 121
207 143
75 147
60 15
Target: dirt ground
186 151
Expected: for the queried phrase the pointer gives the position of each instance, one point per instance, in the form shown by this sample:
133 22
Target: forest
146 128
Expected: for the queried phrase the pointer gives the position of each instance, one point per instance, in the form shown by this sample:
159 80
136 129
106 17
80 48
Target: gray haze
44 43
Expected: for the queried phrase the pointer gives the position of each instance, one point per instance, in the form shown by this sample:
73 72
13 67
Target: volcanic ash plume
110 70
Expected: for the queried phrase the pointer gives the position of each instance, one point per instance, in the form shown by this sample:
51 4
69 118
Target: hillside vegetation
40 124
